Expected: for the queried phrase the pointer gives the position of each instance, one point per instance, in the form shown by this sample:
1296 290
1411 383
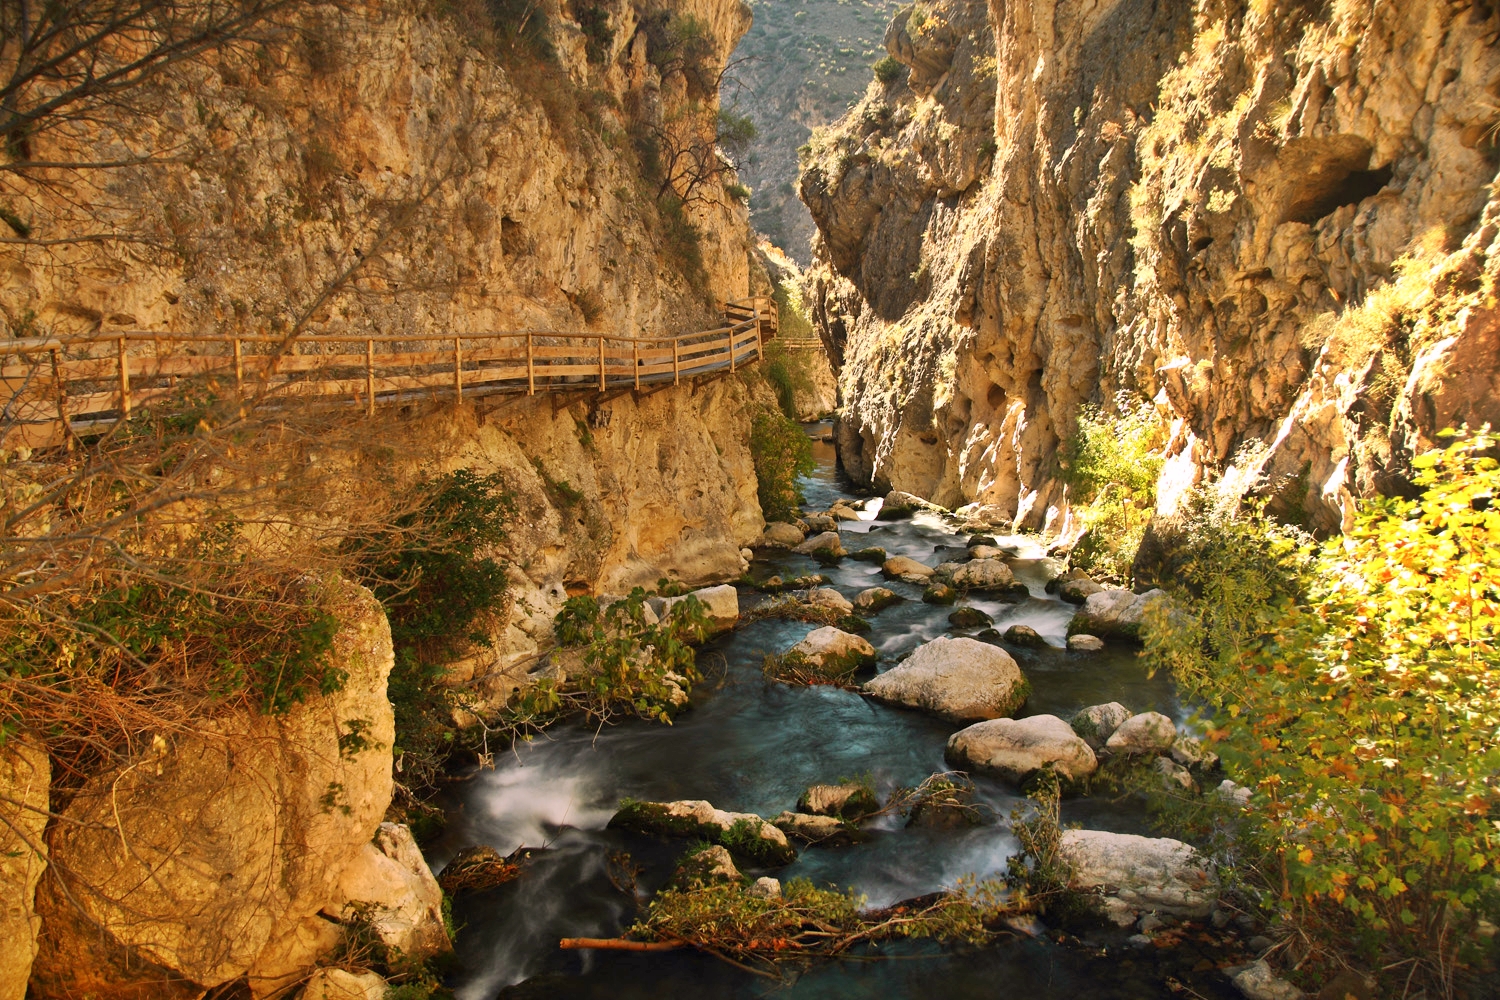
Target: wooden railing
102 377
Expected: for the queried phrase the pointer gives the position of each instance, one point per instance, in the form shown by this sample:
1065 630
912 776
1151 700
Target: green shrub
440 588
1363 715
598 35
738 192
681 242
521 25
782 453
1111 468
887 70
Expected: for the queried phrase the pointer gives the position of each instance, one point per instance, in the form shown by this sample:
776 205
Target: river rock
981 540
821 522
1015 749
939 593
945 570
1097 723
712 864
1113 613
823 546
765 887
754 839
809 581
780 535
1191 754
962 680
339 984
1174 775
834 651
955 554
1140 873
984 574
898 504
1085 643
390 888
846 801
209 833
25 776
875 599
840 512
1233 792
1257 981
827 597
906 569
815 829
1025 635
1077 591
721 604
872 554
982 552
1149 732
969 618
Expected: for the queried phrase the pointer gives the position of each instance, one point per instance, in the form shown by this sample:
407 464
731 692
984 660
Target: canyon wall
1272 219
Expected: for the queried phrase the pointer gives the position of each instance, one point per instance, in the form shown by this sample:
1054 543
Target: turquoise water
749 745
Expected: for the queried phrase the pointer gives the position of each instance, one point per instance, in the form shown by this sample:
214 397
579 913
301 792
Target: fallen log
618 944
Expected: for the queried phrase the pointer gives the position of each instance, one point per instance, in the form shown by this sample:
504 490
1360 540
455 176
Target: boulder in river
822 546
828 830
1025 635
872 554
746 835
1078 590
1149 732
969 618
875 599
1016 749
712 864
985 552
847 801
1114 613
842 512
822 522
939 593
780 535
984 574
1190 752
390 887
340 984
906 569
1138 874
959 679
898 504
827 597
1257 981
721 604
1082 643
1097 723
831 653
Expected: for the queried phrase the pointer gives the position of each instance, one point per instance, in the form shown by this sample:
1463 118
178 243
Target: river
746 744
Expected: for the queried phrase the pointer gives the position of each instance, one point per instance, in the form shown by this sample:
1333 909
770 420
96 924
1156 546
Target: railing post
601 362
676 370
370 377
635 358
124 379
731 347
239 365
530 368
458 368
62 401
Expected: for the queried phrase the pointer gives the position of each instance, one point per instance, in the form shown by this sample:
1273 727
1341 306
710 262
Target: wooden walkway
100 378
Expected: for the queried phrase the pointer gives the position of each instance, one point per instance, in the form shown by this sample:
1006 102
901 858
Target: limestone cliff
1274 218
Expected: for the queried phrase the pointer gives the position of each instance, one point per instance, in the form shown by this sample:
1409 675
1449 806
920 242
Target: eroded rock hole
1323 195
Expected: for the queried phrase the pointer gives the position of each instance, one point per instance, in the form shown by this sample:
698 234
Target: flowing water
749 745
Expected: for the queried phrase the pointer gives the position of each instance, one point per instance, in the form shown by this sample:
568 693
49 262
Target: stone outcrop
962 680
25 774
1205 205
391 889
1016 749
198 862
1138 874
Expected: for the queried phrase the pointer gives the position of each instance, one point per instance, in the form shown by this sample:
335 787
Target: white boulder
1015 749
960 679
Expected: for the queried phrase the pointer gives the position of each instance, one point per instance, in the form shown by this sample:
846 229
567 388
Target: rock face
25 773
963 680
237 834
1113 614
1140 873
1210 227
1016 749
391 887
